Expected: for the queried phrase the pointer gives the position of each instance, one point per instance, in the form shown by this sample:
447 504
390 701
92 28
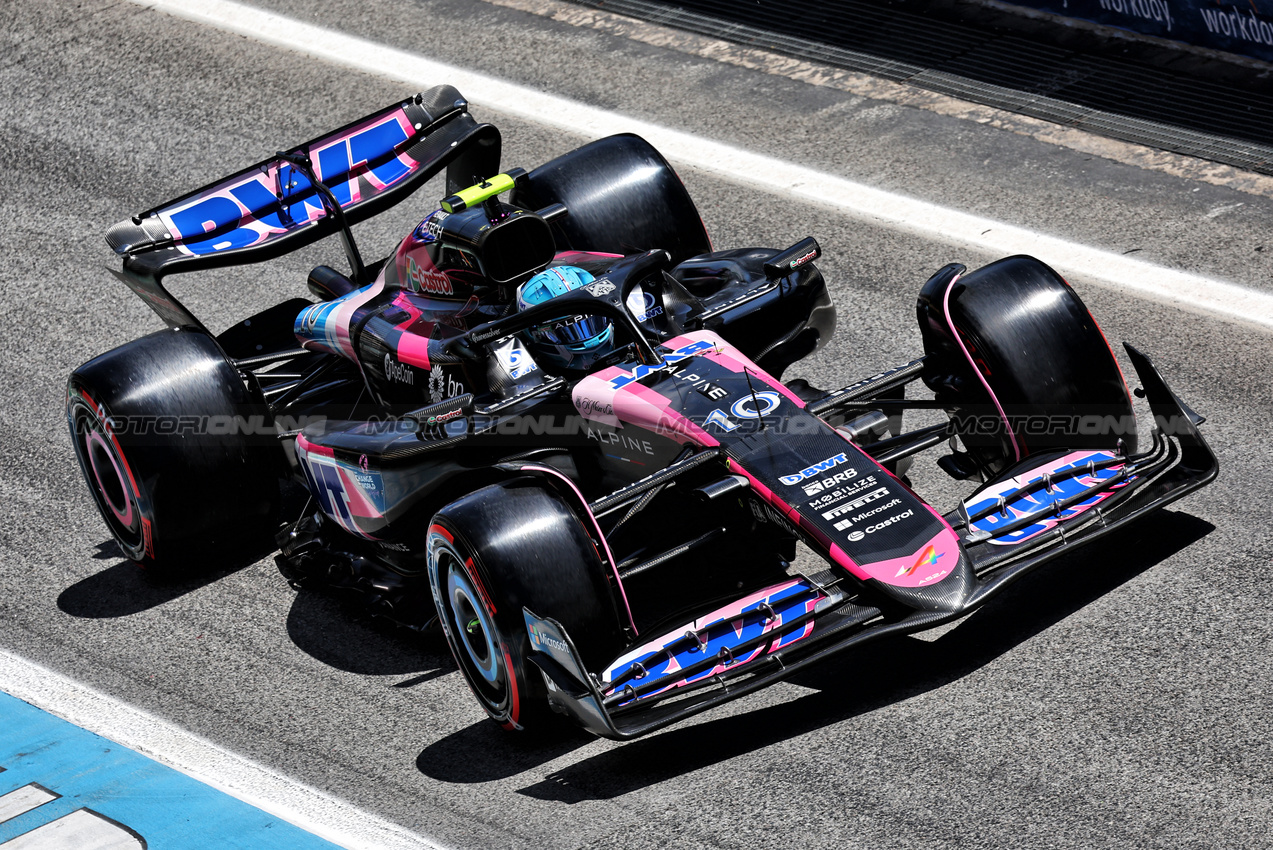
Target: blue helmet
575 342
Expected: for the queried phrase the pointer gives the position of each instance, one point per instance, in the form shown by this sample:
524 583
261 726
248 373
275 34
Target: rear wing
273 208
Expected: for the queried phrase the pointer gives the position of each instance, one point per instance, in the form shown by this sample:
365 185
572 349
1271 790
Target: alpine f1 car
553 420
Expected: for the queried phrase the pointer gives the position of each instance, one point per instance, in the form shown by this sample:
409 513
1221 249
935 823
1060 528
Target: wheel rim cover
97 449
472 625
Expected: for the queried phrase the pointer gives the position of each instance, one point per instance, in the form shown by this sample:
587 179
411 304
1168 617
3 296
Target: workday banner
1244 27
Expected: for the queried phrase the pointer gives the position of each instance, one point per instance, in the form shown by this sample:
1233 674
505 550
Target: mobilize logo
853 491
809 472
839 478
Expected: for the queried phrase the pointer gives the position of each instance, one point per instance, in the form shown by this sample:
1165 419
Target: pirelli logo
857 503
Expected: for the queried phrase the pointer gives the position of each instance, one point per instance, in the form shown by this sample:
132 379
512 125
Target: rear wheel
1014 351
622 197
495 551
178 456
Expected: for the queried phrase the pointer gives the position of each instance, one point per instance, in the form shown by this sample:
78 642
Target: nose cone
937 578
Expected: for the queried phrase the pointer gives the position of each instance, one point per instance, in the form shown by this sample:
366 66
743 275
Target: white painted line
1189 291
81 830
23 800
308 808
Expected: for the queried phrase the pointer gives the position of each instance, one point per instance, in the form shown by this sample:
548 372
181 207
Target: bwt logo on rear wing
274 198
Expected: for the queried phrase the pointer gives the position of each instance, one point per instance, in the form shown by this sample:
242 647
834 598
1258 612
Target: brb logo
839 478
236 210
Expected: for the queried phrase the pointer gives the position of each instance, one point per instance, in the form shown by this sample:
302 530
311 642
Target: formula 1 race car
553 420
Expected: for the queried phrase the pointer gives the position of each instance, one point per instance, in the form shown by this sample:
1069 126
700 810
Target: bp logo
437 385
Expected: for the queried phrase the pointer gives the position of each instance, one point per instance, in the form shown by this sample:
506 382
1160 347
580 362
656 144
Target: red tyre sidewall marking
125 517
510 675
514 712
514 700
148 540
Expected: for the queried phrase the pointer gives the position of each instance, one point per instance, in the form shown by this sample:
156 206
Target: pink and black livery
615 542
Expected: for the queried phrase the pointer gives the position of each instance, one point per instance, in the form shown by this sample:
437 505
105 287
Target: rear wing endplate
272 208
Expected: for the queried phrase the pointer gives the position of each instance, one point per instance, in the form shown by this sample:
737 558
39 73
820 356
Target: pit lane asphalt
1119 698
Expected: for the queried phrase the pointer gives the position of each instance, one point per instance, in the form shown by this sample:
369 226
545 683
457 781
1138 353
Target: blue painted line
136 801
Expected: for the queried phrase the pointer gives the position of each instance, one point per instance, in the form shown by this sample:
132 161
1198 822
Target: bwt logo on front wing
809 472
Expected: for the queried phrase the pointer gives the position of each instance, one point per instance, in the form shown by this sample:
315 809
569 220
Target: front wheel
495 551
1023 366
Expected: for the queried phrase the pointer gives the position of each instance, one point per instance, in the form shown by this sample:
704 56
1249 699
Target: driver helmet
575 342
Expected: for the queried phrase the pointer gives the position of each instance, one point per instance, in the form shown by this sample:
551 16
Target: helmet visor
575 330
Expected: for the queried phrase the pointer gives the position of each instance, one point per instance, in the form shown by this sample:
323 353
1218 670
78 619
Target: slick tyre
175 451
495 551
622 197
1012 346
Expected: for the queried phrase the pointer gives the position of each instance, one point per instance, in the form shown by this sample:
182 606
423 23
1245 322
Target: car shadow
126 588
342 636
484 752
896 669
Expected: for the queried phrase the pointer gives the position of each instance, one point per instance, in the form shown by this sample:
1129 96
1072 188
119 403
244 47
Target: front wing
773 633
